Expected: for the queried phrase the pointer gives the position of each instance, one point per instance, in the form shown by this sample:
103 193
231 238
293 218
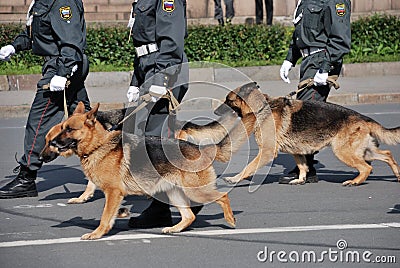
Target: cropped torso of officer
159 29
321 37
158 34
55 30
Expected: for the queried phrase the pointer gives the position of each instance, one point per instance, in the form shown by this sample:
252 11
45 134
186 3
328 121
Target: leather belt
305 52
146 49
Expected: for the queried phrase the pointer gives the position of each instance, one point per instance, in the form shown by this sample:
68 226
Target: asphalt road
314 225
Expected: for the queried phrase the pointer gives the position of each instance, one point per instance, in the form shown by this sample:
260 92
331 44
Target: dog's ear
91 115
80 108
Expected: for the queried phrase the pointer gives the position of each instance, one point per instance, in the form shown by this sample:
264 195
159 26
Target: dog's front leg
303 168
263 157
113 200
85 196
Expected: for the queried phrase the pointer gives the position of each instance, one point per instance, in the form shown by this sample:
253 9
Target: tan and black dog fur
304 127
180 169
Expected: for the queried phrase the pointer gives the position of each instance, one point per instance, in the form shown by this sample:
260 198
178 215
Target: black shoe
23 185
196 209
221 22
156 215
311 176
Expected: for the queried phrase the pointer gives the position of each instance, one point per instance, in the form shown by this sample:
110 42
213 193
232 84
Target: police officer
219 14
321 37
55 30
159 28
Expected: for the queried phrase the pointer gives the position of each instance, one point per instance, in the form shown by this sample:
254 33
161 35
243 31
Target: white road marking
146 237
11 127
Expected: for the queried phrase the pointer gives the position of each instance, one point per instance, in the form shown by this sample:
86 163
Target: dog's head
243 100
75 129
50 152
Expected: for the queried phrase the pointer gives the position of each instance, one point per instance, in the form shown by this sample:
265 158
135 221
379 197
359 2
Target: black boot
311 176
23 185
221 22
156 215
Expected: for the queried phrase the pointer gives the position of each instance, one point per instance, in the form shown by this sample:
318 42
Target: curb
343 99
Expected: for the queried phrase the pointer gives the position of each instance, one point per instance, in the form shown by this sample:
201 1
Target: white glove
133 94
57 83
320 78
284 71
158 90
6 52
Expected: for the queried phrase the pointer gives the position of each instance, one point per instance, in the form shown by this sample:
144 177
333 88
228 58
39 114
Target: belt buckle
141 51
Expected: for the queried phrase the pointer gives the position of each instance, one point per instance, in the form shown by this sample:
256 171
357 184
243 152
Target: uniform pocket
144 17
312 16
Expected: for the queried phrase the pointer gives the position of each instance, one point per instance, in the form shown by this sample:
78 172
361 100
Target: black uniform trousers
219 14
47 110
269 7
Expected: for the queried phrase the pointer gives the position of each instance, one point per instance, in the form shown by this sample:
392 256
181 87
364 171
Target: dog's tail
232 142
390 136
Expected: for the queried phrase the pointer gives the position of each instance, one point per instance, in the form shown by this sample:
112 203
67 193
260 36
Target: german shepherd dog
301 128
182 170
49 153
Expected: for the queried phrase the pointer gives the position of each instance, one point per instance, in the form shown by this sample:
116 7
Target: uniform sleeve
69 28
337 26
22 42
170 36
293 54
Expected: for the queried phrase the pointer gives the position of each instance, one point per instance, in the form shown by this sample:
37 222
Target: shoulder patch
168 5
340 9
65 12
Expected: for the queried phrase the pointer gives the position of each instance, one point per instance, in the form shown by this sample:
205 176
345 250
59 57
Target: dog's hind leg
351 155
182 203
225 204
85 196
113 200
385 156
303 168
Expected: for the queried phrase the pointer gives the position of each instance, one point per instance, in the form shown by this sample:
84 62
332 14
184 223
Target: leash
146 99
47 86
331 80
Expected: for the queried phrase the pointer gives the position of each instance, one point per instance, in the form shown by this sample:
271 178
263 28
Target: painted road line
23 243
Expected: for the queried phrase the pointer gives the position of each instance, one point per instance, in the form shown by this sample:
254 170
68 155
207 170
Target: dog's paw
79 200
350 183
297 182
76 200
91 236
170 230
231 221
232 180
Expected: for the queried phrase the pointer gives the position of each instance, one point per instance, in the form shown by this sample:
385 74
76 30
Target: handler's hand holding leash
155 93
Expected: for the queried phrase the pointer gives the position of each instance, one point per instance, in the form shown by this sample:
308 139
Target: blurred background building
198 11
